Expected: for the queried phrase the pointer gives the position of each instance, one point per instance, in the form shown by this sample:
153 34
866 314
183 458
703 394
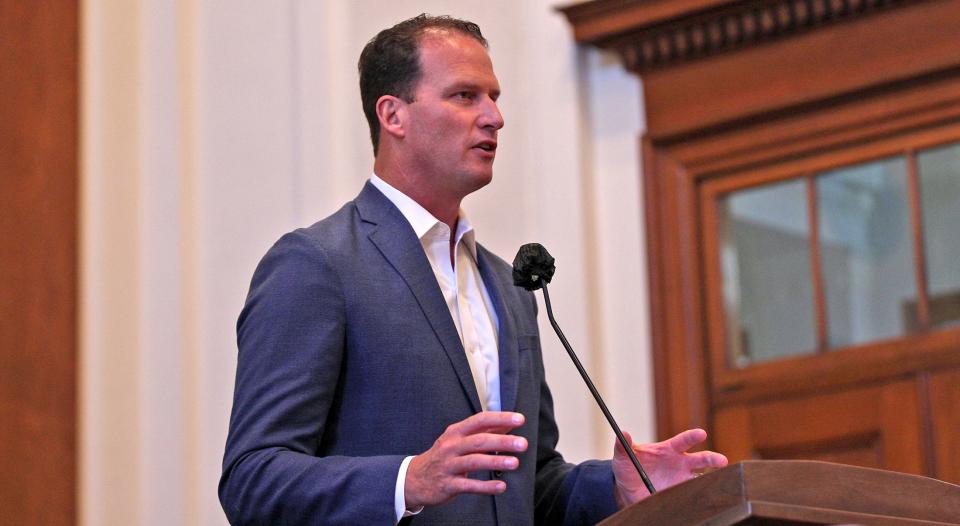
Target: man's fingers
686 440
478 462
481 487
706 459
489 442
488 421
439 474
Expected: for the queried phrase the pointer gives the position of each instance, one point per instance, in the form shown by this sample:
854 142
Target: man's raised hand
441 473
667 463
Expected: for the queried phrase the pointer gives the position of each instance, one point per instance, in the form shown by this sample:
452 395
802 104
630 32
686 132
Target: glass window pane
767 283
866 252
940 197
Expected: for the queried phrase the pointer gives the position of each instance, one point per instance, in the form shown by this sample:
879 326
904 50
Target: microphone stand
595 393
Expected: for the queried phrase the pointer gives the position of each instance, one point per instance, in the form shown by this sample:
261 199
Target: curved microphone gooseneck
533 268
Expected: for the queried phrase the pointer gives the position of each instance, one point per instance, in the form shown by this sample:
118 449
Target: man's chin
476 180
482 180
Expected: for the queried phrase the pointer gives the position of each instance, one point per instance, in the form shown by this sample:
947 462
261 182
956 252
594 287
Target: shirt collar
423 221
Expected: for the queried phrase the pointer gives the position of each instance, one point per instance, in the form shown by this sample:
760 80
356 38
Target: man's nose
491 115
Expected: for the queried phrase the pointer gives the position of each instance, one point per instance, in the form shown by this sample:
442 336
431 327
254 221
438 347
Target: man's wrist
399 499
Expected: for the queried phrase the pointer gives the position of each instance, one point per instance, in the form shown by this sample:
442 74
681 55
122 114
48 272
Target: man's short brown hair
390 62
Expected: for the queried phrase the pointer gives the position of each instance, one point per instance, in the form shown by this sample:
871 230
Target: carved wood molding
664 33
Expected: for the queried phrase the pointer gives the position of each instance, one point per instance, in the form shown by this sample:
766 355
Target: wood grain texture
799 492
656 34
681 395
606 20
878 426
945 406
38 294
815 66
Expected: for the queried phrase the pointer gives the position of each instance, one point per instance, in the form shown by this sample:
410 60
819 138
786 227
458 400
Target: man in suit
388 369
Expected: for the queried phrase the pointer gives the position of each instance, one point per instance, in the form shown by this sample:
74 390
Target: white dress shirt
466 297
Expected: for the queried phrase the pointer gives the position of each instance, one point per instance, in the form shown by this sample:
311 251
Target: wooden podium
800 493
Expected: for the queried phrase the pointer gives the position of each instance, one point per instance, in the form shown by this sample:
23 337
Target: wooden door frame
39 78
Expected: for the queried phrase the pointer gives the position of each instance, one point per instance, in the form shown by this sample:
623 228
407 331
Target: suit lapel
506 334
395 239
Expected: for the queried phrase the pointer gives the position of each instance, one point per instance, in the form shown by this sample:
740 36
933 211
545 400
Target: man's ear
392 114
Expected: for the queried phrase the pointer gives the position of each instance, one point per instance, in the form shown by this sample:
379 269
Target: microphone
533 268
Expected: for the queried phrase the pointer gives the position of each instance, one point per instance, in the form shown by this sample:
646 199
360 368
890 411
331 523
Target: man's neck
445 209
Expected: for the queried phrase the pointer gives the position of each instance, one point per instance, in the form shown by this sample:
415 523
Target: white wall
211 128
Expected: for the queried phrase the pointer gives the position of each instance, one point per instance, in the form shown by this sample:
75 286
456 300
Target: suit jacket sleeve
291 343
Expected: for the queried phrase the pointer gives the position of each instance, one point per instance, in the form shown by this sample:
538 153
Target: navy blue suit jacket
349 361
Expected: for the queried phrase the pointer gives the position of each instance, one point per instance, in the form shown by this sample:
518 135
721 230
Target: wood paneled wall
38 261
739 94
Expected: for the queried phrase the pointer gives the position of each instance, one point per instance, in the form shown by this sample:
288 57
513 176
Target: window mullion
919 257
819 301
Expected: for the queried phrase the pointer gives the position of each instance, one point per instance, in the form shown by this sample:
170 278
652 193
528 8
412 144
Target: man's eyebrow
470 86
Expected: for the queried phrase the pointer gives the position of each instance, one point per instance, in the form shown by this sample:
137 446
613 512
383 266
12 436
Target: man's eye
464 95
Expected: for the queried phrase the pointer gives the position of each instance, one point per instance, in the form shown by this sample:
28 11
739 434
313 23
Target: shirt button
497 474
